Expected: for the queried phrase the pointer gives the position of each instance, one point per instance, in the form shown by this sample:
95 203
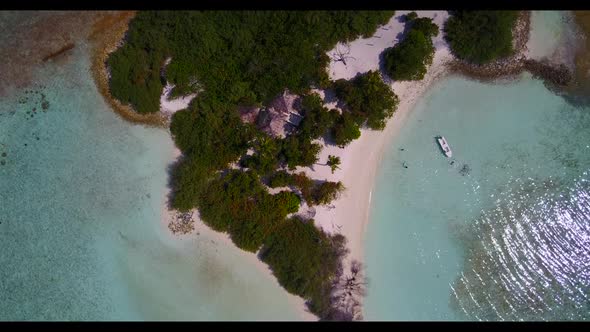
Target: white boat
444 146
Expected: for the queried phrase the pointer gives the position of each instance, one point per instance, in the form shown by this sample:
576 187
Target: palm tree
333 162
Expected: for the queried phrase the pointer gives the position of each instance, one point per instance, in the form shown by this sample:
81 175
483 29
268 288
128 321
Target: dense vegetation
244 58
409 59
237 57
305 261
313 192
237 203
297 149
480 36
345 130
368 99
247 58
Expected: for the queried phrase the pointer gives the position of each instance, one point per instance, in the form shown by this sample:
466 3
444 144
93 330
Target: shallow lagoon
503 232
489 240
81 193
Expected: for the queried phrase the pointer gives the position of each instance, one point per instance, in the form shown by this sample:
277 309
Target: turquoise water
549 30
80 204
503 233
506 238
432 224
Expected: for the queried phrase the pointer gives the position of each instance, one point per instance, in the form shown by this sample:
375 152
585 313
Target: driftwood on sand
348 290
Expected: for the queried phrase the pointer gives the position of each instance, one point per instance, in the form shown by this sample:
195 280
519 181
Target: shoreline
506 68
107 35
199 230
360 160
349 214
352 209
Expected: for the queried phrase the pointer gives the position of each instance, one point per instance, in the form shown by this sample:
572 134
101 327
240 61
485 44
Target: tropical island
267 125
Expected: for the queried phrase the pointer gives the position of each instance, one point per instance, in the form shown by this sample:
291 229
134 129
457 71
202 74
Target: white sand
224 241
349 214
169 106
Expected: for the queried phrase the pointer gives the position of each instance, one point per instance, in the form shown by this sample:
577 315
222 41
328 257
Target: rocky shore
507 67
556 75
559 75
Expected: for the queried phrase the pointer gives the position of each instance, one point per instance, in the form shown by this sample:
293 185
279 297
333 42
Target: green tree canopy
237 203
409 59
305 260
480 36
368 99
240 57
333 162
422 24
345 130
247 58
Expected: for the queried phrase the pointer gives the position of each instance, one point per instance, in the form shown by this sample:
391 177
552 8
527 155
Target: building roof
279 119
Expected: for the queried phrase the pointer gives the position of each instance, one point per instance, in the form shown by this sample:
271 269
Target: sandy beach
170 106
349 214
201 231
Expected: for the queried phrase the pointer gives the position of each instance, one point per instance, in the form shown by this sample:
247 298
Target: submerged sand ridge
34 38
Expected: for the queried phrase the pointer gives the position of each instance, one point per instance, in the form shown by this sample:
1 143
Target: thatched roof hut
279 119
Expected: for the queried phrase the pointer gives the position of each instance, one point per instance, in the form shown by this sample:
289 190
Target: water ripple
529 256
